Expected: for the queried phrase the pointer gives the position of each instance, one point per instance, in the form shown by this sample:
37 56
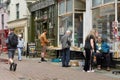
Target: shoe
63 65
99 67
39 61
14 67
108 68
67 66
11 66
44 60
92 70
88 71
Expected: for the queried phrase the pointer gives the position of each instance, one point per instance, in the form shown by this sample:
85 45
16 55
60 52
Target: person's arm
45 39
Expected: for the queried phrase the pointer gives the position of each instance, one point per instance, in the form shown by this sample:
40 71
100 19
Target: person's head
68 32
45 31
99 39
94 32
20 35
11 30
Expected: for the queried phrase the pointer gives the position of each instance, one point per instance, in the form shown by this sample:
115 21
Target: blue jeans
20 53
65 56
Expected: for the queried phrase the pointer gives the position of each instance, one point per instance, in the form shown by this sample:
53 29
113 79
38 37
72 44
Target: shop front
106 18
44 16
70 16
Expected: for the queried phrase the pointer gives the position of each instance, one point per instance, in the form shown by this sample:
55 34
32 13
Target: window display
103 17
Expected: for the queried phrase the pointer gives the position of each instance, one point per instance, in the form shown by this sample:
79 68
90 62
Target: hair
12 29
44 30
92 32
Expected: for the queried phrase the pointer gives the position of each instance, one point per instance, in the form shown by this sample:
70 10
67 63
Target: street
30 69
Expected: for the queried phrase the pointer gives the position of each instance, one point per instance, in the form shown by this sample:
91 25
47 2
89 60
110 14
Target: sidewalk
30 69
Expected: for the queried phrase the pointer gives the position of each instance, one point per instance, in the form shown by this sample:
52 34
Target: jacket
43 39
65 41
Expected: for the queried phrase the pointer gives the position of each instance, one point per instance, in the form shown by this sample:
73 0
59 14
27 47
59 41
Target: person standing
90 48
20 46
66 43
12 46
44 41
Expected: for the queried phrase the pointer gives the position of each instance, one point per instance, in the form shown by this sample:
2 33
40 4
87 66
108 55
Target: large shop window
103 17
96 2
65 24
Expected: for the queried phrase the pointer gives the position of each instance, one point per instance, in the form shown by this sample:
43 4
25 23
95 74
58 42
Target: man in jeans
66 43
11 49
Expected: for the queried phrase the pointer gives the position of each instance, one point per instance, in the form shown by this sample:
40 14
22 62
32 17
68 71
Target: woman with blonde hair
90 48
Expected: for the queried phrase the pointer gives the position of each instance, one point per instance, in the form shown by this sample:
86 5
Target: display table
75 53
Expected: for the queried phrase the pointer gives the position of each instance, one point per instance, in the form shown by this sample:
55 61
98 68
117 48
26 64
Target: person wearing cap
20 46
66 43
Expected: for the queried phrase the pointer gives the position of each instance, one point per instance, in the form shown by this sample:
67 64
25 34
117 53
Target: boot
14 66
11 66
42 59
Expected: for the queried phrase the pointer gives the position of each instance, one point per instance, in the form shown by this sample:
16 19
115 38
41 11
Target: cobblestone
30 69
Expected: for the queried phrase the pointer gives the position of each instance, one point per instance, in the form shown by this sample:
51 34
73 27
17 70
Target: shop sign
41 5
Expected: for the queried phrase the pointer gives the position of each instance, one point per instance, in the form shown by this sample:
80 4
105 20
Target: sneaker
92 70
11 66
14 67
108 68
88 71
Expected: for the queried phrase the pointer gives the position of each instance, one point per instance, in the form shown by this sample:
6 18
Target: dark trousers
103 58
88 60
65 56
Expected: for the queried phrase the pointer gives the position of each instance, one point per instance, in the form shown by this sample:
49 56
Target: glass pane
78 35
65 24
103 18
106 1
119 12
62 7
79 4
96 2
69 5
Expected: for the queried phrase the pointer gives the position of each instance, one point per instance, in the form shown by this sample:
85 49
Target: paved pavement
30 69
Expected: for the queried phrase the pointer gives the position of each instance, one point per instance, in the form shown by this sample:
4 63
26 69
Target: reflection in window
62 9
96 2
69 6
65 24
103 18
106 1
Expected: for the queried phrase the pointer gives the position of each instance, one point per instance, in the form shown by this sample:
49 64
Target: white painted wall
22 9
87 19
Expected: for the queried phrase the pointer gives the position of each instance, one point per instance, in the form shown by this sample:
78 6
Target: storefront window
78 33
62 7
106 1
103 17
65 24
96 2
69 5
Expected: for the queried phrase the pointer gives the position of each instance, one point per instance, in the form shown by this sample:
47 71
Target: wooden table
75 53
